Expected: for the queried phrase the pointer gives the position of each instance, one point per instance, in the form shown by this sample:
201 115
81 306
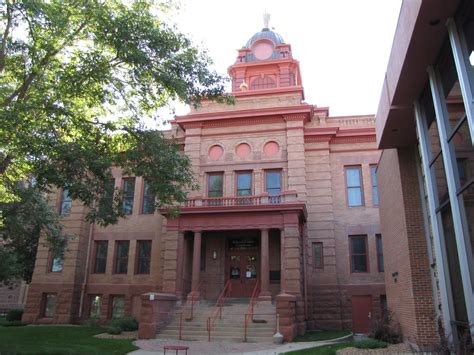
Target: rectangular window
143 256
50 300
128 194
354 186
215 185
121 257
318 255
66 203
375 191
100 262
118 306
148 202
378 239
56 264
108 199
358 252
244 184
95 306
273 185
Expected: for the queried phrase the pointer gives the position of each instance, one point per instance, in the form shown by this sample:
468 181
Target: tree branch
3 46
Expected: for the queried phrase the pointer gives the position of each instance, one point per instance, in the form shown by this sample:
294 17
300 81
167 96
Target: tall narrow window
100 262
49 301
95 304
128 194
118 306
148 202
244 184
378 239
66 203
143 256
273 185
56 264
354 186
318 255
358 251
375 191
108 199
121 257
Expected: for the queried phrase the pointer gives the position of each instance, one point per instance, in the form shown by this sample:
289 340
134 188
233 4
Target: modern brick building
288 200
425 126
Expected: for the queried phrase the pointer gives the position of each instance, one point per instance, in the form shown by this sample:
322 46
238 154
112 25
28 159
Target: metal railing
249 314
217 311
188 308
263 199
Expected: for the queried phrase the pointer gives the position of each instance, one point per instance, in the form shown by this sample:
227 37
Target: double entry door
242 271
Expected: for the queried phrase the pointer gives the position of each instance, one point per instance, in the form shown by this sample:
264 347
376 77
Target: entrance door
361 314
243 271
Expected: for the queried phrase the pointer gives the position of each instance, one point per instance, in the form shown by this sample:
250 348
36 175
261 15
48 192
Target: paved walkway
155 346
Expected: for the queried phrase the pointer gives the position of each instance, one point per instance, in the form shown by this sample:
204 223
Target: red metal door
361 314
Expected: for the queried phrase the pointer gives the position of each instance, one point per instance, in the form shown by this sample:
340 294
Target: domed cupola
265 64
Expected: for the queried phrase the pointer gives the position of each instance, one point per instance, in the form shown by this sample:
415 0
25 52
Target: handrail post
181 326
245 327
208 329
192 306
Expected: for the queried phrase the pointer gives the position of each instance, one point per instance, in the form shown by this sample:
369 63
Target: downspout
86 271
305 282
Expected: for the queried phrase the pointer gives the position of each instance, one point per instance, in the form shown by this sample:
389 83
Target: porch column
179 266
282 261
196 262
264 266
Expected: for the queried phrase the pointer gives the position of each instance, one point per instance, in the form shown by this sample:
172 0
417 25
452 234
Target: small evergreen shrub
370 344
14 323
14 315
114 330
126 324
387 330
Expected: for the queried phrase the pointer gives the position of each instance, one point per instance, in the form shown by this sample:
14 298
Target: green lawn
59 340
323 350
322 335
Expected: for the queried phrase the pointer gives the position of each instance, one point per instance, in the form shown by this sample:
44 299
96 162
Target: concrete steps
229 328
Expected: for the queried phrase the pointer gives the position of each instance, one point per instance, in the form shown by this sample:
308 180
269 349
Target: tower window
266 82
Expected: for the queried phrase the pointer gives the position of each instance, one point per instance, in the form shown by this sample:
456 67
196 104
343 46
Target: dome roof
265 33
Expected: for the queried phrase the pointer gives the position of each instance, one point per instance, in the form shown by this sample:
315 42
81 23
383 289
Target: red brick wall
407 269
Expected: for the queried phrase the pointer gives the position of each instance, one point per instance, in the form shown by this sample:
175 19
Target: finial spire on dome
266 19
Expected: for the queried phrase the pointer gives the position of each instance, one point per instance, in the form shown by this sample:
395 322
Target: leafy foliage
14 315
387 329
77 79
370 344
126 324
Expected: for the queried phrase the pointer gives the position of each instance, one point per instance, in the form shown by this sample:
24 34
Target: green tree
77 79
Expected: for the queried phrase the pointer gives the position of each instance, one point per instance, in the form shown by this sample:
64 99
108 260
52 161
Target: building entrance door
361 314
243 267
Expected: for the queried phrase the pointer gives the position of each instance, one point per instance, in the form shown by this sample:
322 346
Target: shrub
387 330
126 324
370 344
14 323
91 322
114 330
14 315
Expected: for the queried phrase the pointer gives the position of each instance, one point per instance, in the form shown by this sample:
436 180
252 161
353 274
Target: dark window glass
215 185
378 239
95 306
244 184
143 256
359 253
354 186
108 198
66 203
118 306
50 300
100 256
148 204
318 255
121 257
273 182
375 191
128 194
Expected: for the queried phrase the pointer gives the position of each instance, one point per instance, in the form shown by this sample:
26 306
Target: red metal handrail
217 311
190 308
250 314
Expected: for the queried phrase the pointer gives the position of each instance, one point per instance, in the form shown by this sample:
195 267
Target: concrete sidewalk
155 346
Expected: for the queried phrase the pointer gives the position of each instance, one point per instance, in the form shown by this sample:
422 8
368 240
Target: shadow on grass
322 335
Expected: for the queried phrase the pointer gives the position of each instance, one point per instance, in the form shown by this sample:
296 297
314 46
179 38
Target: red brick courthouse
287 211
